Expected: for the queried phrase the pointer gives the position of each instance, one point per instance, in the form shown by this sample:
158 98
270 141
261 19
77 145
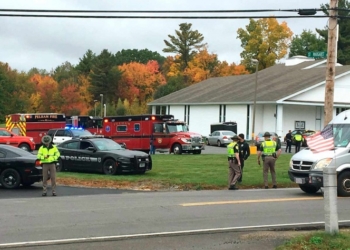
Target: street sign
317 54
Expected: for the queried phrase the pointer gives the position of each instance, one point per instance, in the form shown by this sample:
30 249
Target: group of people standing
298 139
238 151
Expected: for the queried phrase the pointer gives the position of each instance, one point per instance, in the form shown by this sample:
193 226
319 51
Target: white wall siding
178 112
238 113
202 116
294 113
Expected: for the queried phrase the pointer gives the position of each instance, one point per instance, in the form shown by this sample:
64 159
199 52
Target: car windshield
341 133
106 144
228 133
177 127
80 132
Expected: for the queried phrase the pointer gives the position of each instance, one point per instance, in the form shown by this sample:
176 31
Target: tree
121 110
65 71
174 83
140 56
185 43
265 40
306 42
343 54
86 63
105 77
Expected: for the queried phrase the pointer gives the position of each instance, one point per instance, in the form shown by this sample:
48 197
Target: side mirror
123 145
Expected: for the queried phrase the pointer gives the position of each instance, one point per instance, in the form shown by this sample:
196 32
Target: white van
306 167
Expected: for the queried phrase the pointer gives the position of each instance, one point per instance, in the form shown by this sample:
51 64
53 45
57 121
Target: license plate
142 165
299 180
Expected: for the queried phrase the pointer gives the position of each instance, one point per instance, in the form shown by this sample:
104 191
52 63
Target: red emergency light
106 120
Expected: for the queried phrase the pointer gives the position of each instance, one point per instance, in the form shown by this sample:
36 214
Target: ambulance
169 135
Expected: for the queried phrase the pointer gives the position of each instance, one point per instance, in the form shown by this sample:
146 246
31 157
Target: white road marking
128 236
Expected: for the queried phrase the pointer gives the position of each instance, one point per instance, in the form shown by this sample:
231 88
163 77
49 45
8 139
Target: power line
155 11
153 17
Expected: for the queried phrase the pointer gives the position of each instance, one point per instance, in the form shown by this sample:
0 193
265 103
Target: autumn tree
226 69
306 42
185 43
265 40
343 54
46 98
140 80
141 56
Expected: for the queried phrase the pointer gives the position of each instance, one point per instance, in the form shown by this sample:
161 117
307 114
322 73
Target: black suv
60 135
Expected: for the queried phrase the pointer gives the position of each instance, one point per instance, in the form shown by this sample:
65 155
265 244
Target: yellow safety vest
269 147
52 152
298 137
230 151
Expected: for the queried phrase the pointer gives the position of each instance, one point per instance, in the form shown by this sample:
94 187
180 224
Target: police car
60 135
98 154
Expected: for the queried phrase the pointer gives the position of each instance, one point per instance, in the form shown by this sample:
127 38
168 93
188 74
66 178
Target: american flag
321 141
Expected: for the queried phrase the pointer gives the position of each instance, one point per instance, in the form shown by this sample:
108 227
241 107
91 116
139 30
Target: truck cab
306 167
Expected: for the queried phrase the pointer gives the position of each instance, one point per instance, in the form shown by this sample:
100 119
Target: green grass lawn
2 125
196 172
319 241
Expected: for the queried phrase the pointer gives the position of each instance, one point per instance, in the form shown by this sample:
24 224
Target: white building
288 96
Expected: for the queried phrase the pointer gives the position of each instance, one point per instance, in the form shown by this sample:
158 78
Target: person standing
269 151
244 153
288 140
298 138
234 164
48 155
152 146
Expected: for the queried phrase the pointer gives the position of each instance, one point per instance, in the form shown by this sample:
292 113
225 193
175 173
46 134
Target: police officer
298 138
244 153
48 155
269 156
234 164
288 140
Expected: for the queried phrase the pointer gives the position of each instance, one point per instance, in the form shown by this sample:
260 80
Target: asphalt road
80 215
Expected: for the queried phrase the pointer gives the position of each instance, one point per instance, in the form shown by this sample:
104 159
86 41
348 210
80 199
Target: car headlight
323 163
186 140
31 139
290 164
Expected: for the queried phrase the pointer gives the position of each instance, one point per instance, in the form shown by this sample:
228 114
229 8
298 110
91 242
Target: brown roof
274 83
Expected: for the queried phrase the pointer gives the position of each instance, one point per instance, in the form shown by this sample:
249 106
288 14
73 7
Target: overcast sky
46 43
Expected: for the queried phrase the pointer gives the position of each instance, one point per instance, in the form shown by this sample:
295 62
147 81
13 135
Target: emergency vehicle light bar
73 128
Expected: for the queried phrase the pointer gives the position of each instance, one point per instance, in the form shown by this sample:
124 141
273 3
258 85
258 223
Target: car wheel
309 189
177 149
24 146
10 178
219 143
109 167
59 165
344 184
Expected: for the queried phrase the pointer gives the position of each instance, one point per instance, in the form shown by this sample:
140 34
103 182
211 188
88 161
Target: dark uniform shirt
244 150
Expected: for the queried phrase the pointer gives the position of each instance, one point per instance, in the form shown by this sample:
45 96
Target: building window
299 124
121 128
137 127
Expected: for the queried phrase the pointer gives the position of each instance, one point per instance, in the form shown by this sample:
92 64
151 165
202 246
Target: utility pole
331 61
330 172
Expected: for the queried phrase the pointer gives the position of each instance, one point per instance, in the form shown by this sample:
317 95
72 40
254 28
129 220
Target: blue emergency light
75 128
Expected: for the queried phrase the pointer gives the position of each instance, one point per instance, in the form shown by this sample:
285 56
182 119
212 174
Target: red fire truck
34 125
91 123
169 135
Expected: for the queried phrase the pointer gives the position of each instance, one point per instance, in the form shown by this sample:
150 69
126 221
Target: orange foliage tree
45 99
140 81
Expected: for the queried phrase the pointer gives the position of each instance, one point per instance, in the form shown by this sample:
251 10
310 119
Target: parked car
260 138
304 134
24 142
18 167
220 138
99 154
60 135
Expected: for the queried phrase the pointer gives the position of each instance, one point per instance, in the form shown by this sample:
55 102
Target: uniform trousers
52 168
269 164
234 172
297 146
